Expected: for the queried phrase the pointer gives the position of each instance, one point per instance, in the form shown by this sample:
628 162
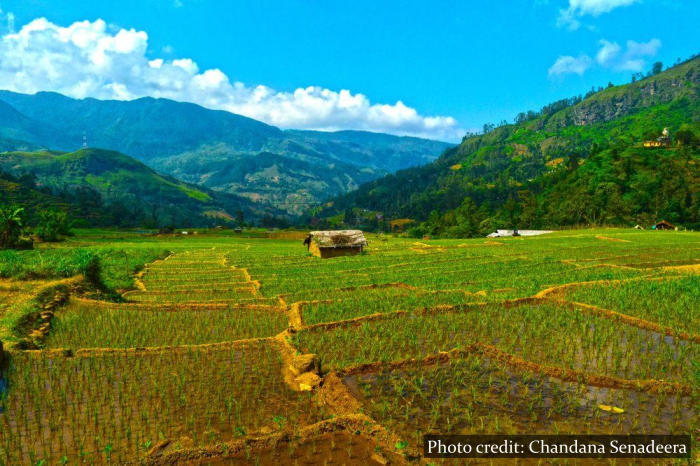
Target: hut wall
326 253
337 252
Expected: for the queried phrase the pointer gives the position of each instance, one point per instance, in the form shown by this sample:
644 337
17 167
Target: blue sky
453 65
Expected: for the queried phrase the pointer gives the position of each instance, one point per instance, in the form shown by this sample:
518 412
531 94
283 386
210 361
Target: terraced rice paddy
518 335
97 407
543 333
479 396
665 301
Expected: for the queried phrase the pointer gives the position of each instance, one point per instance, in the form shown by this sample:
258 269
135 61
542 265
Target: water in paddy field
3 390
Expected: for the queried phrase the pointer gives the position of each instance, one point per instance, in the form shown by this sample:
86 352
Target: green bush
52 224
91 269
686 137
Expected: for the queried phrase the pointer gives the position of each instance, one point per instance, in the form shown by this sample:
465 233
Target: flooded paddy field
475 395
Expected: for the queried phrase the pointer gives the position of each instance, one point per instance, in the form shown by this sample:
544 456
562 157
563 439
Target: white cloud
570 65
87 59
631 58
608 52
610 55
648 49
568 17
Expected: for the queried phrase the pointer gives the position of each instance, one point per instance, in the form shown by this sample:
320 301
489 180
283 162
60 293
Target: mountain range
279 170
578 161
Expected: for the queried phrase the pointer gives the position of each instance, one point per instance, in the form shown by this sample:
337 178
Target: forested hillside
108 188
579 161
286 170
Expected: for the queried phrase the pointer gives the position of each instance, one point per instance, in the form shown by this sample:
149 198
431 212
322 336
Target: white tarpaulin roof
500 233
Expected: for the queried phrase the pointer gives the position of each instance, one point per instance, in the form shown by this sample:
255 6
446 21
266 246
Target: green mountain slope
117 189
515 175
378 151
16 129
203 146
14 192
288 183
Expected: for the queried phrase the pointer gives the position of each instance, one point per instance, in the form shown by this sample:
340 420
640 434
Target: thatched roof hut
335 243
664 225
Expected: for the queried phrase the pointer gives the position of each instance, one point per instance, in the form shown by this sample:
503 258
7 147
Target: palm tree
11 221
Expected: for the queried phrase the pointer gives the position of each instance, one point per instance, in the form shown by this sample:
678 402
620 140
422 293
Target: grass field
187 348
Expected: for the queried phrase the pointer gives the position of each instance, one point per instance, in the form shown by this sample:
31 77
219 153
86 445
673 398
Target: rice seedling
544 333
80 326
116 403
672 303
474 395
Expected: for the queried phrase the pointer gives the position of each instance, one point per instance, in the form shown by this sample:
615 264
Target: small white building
503 233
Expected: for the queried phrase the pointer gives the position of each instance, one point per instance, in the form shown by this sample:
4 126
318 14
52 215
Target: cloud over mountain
610 55
630 58
93 59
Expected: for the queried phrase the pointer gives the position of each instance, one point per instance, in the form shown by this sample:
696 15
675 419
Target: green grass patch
117 265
